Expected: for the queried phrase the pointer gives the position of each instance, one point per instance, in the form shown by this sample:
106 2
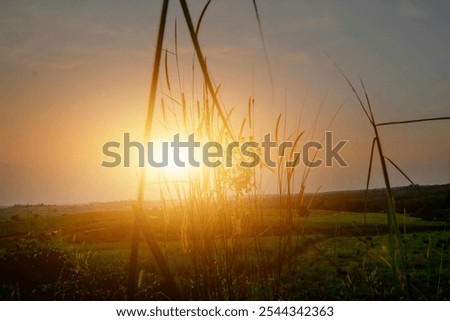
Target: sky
76 74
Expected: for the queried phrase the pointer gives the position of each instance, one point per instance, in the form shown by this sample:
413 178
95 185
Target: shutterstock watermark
190 152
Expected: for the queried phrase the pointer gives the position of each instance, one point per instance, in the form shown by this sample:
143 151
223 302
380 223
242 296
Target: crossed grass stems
221 204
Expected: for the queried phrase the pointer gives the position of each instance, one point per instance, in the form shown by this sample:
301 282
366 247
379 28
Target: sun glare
172 166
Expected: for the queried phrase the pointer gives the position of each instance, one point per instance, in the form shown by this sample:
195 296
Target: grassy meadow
327 255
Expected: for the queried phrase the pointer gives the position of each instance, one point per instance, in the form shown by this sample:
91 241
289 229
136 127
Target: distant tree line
427 202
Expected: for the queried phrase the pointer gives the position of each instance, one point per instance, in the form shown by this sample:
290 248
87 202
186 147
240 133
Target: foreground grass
335 257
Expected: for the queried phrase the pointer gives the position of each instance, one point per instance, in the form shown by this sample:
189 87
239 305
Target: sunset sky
76 74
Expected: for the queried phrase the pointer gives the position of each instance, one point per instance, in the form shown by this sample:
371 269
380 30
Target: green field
325 256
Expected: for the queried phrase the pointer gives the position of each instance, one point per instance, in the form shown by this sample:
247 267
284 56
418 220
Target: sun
170 164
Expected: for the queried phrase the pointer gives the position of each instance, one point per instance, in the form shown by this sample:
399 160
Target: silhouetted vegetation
427 202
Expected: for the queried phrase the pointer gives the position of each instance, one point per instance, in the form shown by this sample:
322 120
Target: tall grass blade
140 220
402 172
166 69
201 16
353 89
412 121
368 101
277 127
366 193
266 55
204 67
394 237
177 62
